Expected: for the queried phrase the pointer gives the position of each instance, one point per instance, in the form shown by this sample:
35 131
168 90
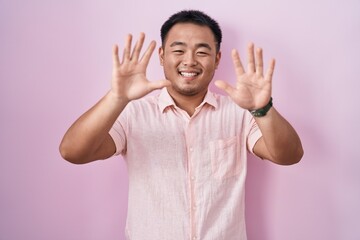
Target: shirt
186 174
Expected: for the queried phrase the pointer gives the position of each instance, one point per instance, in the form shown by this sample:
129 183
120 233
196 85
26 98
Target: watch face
262 111
258 113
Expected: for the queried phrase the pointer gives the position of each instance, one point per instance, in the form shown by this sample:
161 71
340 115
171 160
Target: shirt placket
191 181
191 163
192 177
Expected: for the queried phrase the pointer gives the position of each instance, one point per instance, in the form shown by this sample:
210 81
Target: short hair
195 17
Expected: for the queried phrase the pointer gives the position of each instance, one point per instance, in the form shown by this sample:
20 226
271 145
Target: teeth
187 74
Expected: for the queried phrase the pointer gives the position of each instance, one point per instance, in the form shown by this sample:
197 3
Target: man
185 148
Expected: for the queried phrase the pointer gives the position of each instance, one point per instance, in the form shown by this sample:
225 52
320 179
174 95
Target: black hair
195 17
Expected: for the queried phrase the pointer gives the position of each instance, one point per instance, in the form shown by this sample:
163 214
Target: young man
185 148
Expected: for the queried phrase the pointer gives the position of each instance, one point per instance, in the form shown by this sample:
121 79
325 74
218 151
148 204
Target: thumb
224 86
159 84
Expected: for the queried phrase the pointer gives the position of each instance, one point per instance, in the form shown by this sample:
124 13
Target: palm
130 81
253 89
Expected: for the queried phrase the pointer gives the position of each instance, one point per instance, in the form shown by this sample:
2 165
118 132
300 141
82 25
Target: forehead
190 33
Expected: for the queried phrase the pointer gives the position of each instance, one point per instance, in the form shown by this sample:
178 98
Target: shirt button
194 238
191 149
192 178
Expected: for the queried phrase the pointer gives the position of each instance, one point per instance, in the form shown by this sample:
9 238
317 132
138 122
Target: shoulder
227 108
146 102
143 108
224 102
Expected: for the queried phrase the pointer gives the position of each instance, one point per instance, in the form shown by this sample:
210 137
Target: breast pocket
225 157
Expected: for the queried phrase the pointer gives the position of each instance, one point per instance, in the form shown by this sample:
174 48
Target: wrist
116 98
261 112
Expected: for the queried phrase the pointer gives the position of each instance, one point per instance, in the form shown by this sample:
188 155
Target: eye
202 53
178 51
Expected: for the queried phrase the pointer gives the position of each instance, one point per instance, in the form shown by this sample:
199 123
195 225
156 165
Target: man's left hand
253 88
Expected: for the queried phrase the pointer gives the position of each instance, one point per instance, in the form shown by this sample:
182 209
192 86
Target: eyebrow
199 45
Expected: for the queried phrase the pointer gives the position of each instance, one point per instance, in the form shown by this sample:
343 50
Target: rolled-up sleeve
118 134
254 133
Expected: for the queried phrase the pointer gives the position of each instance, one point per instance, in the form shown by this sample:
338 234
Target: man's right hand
129 80
88 139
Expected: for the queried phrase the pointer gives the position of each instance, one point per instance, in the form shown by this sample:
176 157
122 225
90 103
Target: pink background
55 62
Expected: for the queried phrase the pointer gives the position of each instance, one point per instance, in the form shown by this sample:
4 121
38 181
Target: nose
189 59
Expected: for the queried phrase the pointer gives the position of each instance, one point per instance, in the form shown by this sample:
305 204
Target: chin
185 91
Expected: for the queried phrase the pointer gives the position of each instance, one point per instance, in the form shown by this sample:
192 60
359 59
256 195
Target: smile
188 74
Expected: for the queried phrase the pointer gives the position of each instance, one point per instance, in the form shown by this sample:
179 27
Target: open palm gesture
129 75
253 88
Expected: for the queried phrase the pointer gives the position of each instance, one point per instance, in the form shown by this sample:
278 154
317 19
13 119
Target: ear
161 56
217 59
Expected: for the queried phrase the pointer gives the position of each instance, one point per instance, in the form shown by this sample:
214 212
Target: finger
127 49
239 69
139 44
147 55
225 87
259 61
116 61
251 60
270 70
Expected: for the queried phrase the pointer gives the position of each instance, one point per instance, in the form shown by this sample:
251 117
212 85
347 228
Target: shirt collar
165 100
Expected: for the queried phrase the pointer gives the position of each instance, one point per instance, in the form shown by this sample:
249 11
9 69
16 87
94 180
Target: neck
187 103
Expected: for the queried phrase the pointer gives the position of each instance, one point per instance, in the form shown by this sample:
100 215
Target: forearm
282 144
85 138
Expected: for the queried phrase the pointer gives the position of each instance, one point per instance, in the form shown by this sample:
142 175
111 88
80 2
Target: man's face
189 58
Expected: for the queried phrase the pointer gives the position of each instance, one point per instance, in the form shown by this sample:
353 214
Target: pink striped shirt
186 174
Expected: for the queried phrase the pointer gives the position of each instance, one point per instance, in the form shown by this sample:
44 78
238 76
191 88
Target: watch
262 111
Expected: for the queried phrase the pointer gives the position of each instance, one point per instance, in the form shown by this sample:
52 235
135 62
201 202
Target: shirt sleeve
254 133
118 135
